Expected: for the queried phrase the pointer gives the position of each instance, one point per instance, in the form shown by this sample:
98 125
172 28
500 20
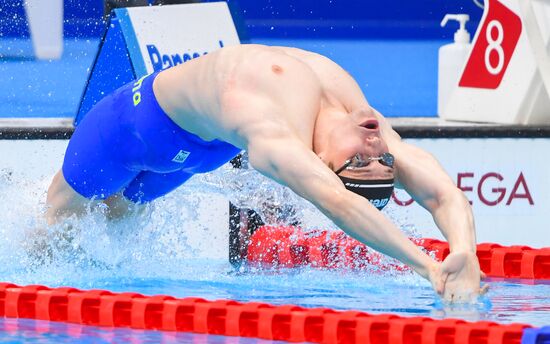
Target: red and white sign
504 78
493 48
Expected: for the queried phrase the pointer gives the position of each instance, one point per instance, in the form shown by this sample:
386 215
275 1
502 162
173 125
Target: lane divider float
252 319
291 247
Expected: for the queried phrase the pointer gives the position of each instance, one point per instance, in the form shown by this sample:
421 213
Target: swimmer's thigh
62 200
148 186
95 165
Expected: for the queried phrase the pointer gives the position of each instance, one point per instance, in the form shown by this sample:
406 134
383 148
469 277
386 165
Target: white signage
507 181
160 37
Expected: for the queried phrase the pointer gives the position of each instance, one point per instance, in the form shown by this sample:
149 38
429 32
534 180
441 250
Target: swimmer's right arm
288 161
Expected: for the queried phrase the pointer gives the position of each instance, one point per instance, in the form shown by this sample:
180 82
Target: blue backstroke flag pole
112 67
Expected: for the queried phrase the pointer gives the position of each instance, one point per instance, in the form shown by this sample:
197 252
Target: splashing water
160 241
153 243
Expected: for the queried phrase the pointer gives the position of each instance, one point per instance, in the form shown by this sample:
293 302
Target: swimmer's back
199 95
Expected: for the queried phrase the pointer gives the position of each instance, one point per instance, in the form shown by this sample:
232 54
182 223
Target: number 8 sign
493 48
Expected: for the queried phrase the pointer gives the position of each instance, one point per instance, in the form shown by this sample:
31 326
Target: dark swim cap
378 192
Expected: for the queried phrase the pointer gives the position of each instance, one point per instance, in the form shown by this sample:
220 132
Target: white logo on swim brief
181 156
379 202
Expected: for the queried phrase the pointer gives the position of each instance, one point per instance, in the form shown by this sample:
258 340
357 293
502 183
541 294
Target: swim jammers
128 143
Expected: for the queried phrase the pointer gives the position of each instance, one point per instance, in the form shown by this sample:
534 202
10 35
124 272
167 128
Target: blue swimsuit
128 143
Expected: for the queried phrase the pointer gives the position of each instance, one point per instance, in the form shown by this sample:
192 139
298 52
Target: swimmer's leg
62 200
150 185
146 187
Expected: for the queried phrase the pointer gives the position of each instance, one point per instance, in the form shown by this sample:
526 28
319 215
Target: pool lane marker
290 247
252 319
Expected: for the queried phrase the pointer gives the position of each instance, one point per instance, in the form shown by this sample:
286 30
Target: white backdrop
167 35
506 180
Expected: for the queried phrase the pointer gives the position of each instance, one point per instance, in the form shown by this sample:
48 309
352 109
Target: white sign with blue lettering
141 40
160 37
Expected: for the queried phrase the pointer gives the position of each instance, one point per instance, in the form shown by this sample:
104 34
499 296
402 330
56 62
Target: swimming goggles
386 159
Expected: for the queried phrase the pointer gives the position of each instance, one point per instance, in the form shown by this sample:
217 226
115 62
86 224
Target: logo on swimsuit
136 95
181 156
379 202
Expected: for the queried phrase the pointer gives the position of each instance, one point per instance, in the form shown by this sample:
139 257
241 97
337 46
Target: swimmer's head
352 145
377 191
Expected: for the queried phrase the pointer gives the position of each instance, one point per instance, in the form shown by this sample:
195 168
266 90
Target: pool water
34 88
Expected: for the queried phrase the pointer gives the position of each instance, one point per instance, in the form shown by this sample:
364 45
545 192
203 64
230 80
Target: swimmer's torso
212 96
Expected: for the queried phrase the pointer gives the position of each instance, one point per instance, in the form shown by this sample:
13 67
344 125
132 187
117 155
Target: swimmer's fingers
484 289
438 278
482 274
442 282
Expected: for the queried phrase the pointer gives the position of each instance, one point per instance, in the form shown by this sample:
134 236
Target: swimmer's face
354 133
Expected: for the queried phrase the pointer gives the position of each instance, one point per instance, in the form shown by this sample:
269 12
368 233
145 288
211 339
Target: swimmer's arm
288 161
426 181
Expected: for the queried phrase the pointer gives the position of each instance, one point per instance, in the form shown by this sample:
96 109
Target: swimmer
303 121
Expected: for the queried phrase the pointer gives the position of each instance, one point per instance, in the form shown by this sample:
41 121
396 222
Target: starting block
506 78
141 40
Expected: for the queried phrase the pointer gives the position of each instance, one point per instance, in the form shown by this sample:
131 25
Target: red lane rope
293 247
231 318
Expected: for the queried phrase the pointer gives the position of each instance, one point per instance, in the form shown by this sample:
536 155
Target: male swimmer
304 122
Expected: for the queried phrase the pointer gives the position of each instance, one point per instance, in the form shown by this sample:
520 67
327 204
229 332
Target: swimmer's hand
457 279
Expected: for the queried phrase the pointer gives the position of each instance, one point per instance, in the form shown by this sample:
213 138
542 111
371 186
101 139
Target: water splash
169 239
150 243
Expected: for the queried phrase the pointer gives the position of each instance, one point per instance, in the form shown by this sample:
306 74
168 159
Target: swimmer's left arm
287 160
426 181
